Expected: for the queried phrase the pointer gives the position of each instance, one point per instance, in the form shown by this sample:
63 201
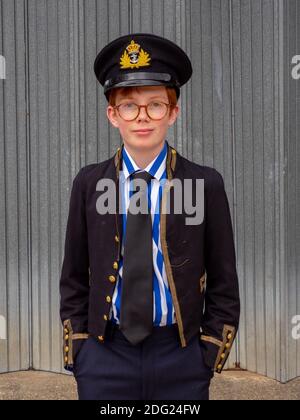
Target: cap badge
134 57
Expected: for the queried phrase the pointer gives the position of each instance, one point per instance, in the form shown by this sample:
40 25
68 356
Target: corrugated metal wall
14 190
258 162
232 112
292 184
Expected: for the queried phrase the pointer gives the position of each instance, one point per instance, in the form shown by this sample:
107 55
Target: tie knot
142 175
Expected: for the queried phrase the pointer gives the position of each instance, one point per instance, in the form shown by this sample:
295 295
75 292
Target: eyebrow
151 97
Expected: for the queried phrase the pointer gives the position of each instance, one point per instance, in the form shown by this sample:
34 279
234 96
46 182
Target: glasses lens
128 111
157 110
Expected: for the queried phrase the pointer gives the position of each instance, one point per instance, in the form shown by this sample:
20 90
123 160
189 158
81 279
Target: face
143 133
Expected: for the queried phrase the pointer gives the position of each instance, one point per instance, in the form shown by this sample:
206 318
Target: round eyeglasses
156 110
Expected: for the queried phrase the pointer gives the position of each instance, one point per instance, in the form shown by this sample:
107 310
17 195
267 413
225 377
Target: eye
128 106
156 104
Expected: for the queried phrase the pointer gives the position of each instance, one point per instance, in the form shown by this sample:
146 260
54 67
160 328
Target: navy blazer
199 260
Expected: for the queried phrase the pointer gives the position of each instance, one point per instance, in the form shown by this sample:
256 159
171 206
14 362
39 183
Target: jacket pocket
78 344
209 368
180 264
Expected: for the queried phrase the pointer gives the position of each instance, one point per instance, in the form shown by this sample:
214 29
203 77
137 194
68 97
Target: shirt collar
156 168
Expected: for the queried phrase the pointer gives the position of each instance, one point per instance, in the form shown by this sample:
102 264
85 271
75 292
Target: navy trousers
156 369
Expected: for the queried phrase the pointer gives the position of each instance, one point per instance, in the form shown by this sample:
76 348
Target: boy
134 280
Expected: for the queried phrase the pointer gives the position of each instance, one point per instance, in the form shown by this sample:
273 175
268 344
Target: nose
143 116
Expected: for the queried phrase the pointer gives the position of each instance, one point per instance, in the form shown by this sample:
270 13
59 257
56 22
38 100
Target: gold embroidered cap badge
134 57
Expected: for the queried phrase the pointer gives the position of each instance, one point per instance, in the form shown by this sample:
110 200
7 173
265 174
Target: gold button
108 299
105 317
116 238
227 345
173 151
66 330
100 338
219 366
66 349
222 356
66 337
66 359
229 336
115 265
112 279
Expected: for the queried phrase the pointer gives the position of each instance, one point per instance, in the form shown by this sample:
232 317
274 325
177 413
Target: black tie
136 318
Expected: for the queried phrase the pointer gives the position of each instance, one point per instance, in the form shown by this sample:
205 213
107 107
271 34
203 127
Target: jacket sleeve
222 304
74 280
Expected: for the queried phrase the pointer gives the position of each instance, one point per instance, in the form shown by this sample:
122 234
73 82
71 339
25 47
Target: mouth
143 131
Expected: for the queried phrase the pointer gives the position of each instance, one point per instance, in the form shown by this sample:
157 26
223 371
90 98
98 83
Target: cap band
161 77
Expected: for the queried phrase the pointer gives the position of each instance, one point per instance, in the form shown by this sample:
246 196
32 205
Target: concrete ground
230 385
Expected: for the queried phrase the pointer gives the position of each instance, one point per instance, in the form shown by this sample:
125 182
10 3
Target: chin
146 142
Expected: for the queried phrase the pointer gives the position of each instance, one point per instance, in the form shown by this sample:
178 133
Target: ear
112 116
173 114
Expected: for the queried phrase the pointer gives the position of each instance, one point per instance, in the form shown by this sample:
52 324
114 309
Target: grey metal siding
256 175
14 204
291 361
